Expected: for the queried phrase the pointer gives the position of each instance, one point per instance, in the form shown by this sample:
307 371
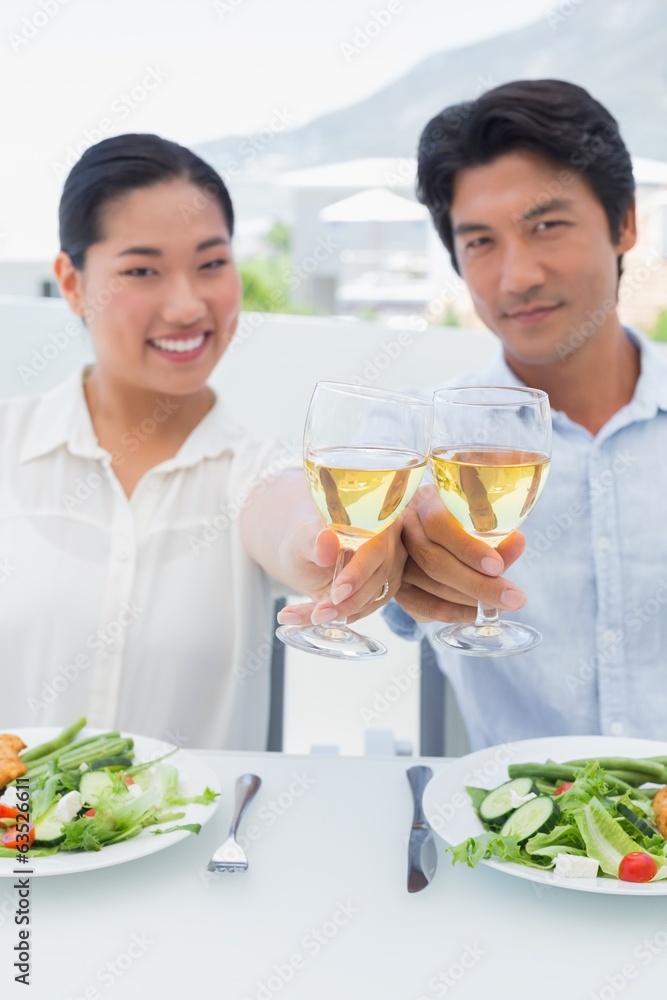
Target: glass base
336 641
501 639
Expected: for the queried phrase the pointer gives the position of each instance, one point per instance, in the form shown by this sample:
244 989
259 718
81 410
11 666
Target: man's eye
547 224
477 242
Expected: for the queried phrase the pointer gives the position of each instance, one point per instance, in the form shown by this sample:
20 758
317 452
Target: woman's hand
309 556
282 531
448 570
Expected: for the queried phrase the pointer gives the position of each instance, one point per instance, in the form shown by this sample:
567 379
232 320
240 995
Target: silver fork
230 856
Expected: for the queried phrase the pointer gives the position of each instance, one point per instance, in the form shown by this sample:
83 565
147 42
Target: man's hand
448 571
309 556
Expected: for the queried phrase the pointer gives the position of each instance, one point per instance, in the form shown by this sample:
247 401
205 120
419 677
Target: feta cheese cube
69 806
574 866
518 800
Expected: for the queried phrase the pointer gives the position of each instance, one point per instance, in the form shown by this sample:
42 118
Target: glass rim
526 395
373 392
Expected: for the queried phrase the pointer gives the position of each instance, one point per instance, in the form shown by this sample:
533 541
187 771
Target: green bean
561 772
633 777
88 741
60 741
651 768
76 755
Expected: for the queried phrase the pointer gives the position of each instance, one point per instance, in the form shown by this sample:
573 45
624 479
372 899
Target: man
531 190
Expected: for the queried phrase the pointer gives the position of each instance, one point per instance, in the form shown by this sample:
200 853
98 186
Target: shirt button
604 543
617 728
609 637
124 554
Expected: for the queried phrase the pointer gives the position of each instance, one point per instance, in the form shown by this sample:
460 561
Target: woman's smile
182 347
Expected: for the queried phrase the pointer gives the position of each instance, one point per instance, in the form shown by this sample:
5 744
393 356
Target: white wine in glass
490 460
365 452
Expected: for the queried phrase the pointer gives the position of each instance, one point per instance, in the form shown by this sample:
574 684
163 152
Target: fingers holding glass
365 452
490 459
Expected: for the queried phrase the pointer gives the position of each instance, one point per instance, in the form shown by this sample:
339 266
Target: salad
83 794
603 816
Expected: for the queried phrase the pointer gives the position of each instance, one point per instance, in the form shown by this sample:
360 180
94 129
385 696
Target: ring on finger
383 593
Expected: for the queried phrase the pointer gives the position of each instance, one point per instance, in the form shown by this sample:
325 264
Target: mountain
615 48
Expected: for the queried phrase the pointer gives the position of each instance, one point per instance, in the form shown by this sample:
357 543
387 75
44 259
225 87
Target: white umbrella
374 205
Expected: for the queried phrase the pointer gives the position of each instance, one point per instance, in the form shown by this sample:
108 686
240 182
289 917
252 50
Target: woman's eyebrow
153 252
145 251
215 241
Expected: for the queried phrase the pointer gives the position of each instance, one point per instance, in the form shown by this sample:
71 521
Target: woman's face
160 292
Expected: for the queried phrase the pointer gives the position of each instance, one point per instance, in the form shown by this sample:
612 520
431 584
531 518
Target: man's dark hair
116 166
556 119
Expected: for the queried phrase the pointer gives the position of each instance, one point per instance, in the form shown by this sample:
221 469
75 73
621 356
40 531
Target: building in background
643 295
361 245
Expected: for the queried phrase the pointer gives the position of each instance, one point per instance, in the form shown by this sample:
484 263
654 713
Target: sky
73 72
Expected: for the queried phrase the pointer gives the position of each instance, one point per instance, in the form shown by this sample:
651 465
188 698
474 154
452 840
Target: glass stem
486 616
344 556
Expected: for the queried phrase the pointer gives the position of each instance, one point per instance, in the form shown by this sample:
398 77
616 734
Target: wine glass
365 452
490 458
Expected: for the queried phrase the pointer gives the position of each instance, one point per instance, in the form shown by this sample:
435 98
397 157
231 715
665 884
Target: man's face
533 245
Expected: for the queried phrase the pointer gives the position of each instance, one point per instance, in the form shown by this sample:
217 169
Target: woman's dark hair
121 164
556 119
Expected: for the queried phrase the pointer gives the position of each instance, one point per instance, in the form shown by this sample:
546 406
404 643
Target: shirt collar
61 419
651 389
650 392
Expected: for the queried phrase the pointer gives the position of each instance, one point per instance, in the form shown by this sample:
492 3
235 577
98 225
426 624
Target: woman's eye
213 265
139 272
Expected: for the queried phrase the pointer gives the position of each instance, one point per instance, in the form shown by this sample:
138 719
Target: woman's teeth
180 346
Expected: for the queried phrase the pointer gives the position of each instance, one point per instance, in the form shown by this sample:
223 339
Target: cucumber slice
49 829
639 824
537 816
94 785
496 806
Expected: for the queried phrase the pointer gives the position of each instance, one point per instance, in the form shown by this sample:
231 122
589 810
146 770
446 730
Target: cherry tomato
637 867
8 812
128 779
16 838
90 812
564 787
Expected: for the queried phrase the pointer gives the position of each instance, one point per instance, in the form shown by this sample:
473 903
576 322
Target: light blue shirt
595 574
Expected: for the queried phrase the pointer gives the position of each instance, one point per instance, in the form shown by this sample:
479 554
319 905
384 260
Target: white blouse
146 613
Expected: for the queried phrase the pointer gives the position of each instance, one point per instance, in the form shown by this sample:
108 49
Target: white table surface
332 864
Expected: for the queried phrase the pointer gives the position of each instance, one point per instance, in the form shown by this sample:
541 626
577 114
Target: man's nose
521 270
183 305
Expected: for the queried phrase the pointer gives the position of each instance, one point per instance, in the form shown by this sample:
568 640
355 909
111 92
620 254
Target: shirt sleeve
400 622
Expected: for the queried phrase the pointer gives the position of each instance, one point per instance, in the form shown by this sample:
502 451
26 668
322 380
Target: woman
143 527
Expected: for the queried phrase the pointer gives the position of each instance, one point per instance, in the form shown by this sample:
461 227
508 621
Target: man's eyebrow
555 205
214 241
471 227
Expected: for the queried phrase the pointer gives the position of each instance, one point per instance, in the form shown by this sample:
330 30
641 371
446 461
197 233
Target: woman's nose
183 306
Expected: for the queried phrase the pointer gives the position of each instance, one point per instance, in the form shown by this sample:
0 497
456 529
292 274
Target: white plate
449 810
194 777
